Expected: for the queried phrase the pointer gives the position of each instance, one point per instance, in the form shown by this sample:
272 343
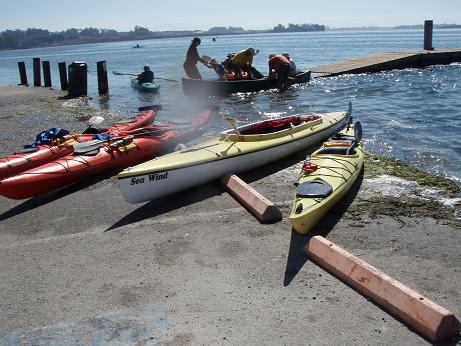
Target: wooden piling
63 76
22 73
37 73
78 79
46 73
428 26
103 85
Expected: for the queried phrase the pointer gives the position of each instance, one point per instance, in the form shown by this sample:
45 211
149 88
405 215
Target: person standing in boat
242 62
147 76
292 65
192 58
279 67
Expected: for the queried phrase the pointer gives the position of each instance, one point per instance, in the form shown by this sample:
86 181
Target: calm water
413 115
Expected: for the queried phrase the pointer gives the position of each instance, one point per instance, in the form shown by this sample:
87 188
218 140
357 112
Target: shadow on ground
169 203
296 256
52 196
178 200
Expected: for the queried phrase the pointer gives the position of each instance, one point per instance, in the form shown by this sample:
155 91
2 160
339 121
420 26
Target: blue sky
123 15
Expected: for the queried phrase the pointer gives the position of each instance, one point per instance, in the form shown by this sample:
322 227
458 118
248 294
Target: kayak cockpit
272 128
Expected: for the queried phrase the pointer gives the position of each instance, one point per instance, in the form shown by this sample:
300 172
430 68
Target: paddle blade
358 132
95 120
150 108
124 74
167 79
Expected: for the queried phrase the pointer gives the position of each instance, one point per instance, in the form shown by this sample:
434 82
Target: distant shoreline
180 34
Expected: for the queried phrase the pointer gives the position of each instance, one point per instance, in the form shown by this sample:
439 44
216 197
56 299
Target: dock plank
390 61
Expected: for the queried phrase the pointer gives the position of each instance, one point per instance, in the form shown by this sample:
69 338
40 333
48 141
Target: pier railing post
22 73
428 26
37 73
46 73
103 85
63 76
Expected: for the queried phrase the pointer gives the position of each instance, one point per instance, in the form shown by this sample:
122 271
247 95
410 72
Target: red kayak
33 157
94 157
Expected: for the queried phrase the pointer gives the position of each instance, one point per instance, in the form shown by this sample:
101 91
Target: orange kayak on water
42 153
101 156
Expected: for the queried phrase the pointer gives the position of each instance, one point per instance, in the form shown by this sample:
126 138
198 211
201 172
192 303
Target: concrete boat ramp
390 61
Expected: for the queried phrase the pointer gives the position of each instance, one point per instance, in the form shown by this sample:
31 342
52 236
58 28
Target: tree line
298 28
30 38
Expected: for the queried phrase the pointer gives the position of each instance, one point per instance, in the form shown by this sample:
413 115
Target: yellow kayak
326 177
235 150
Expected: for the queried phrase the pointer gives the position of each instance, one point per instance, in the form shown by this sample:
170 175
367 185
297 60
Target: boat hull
19 162
119 153
193 87
212 161
145 87
339 171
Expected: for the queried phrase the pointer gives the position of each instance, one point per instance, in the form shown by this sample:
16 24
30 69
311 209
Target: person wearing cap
147 76
242 62
192 58
227 63
279 67
292 65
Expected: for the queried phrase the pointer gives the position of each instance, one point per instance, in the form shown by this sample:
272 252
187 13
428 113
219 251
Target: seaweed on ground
376 165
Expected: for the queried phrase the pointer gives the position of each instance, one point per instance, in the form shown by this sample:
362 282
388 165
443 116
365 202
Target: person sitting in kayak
279 67
147 76
192 58
242 62
292 65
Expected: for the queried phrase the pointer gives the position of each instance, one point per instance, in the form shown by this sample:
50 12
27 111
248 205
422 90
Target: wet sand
196 268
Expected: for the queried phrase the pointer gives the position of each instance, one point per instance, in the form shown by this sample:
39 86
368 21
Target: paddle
135 74
95 144
94 120
150 108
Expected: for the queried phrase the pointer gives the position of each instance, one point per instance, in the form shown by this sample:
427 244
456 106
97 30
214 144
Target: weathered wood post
63 76
78 79
22 73
46 73
428 26
37 73
103 85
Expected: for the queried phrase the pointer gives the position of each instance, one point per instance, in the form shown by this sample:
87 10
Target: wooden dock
390 61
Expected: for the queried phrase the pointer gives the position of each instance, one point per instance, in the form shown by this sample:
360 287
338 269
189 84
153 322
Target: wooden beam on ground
432 320
263 209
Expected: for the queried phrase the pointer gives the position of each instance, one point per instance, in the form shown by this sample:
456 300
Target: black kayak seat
91 131
316 188
358 132
337 150
340 137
